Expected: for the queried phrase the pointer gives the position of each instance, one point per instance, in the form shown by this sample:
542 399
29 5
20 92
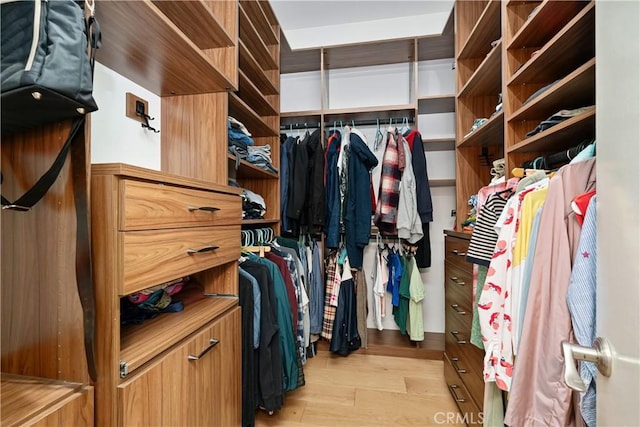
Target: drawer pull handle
458 340
202 250
454 251
458 311
454 362
202 208
454 279
462 254
212 343
452 390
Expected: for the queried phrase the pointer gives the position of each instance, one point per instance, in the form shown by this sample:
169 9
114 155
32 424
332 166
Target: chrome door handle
601 354
209 248
454 279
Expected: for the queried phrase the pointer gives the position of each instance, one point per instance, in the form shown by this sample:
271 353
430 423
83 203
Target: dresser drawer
147 206
459 284
461 395
455 252
468 361
155 256
457 311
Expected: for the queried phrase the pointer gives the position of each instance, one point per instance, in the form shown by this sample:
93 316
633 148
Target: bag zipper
37 11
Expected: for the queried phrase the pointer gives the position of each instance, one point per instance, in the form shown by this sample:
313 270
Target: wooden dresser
462 360
149 227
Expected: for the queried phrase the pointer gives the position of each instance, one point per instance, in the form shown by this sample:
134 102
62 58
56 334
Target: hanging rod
329 124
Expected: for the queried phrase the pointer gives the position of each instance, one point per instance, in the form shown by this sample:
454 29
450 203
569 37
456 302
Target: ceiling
309 24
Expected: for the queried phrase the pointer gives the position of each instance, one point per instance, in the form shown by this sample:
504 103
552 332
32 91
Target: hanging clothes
416 293
286 151
387 206
345 338
423 196
332 191
268 382
408 223
358 203
246 301
539 394
401 311
581 300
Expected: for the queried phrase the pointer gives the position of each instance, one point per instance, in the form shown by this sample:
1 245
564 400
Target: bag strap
84 270
40 188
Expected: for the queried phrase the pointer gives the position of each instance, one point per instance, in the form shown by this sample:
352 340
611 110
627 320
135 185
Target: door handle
202 208
209 248
601 354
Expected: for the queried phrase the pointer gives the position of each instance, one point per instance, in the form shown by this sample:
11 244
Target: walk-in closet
320 213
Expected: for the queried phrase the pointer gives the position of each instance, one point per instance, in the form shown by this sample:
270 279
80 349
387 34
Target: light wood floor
366 390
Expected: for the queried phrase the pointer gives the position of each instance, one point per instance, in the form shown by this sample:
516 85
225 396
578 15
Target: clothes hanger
379 137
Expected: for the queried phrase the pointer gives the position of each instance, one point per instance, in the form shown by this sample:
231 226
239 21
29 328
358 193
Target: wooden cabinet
202 369
540 57
463 360
147 372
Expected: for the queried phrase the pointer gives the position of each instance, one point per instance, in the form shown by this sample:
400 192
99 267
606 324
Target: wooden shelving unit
491 133
257 103
157 63
558 65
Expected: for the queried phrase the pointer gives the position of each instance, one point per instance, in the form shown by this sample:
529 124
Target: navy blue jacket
332 193
358 199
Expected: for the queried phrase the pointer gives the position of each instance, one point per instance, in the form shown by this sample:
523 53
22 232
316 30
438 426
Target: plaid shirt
387 207
329 310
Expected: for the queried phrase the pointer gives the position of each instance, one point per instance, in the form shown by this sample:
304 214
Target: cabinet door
196 384
156 396
215 377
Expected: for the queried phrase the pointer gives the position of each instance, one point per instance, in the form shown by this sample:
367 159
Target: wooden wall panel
42 322
194 136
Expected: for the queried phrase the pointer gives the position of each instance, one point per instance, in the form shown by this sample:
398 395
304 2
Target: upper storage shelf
157 62
486 30
567 50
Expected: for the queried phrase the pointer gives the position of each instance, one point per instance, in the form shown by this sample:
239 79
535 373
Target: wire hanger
379 136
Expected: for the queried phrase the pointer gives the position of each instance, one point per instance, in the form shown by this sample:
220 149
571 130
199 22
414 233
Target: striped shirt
484 237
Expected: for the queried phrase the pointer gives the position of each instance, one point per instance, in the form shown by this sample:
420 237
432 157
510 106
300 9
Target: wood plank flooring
366 390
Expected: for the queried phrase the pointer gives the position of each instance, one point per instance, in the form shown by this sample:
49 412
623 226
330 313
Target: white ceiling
315 23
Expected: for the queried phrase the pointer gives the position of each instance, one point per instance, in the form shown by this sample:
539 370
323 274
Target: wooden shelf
260 21
571 47
551 15
442 182
25 398
241 111
197 21
439 144
251 95
370 113
140 343
368 54
252 69
249 170
575 90
486 30
436 47
491 133
436 104
249 35
486 80
560 136
156 63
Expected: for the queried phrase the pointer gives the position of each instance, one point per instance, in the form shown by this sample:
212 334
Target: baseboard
389 342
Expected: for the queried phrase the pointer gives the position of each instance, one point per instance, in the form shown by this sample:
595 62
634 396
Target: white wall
115 137
389 85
